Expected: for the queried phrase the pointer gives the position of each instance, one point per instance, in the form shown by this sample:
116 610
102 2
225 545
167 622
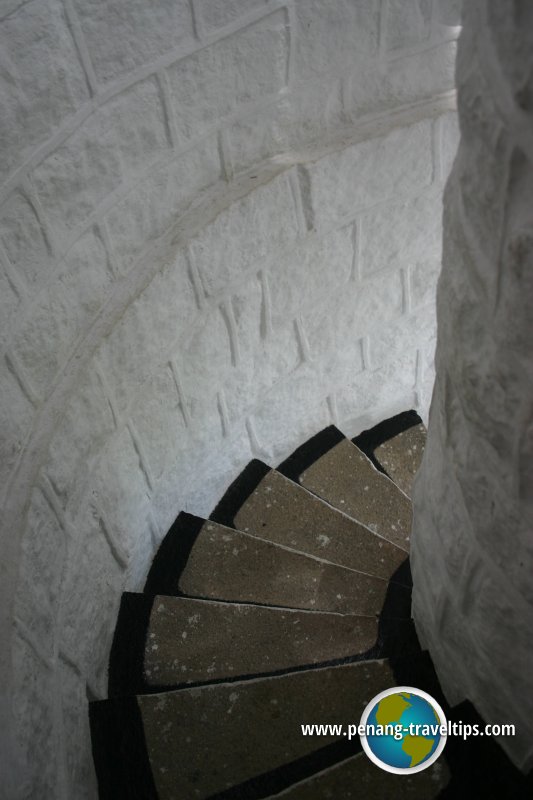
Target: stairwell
221 232
290 605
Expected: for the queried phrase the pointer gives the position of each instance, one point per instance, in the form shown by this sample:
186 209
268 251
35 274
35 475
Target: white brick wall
194 269
472 538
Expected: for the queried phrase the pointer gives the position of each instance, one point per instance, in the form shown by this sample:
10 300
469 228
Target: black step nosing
124 773
468 762
238 492
172 556
126 661
403 574
369 440
309 452
286 775
417 671
282 777
119 751
123 767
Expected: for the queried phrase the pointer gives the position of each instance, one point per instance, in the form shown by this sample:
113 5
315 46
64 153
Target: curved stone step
193 743
201 558
401 456
264 502
370 440
332 467
167 641
358 777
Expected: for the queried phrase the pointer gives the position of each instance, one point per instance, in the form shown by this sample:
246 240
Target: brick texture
192 273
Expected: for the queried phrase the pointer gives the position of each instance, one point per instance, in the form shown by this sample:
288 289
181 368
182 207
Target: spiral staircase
289 605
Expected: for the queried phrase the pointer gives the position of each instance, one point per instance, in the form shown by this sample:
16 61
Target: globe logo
405 730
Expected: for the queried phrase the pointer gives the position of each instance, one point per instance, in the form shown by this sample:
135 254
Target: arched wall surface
472 543
219 232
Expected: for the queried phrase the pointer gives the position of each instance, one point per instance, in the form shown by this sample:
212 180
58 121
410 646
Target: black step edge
119 751
126 661
172 555
119 746
239 491
309 452
271 783
286 775
479 766
368 441
403 574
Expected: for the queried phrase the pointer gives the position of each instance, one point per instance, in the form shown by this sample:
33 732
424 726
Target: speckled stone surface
203 740
348 480
402 455
283 512
358 778
225 564
190 641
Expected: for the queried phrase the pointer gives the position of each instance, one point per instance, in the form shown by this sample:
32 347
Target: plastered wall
472 544
220 228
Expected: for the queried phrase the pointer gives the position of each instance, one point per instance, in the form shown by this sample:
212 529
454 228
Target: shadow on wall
472 543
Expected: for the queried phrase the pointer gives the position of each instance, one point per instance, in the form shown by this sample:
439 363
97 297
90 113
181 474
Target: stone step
332 467
358 777
193 743
401 456
264 502
201 558
167 641
373 438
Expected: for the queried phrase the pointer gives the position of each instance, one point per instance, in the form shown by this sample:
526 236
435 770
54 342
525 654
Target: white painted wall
472 544
219 232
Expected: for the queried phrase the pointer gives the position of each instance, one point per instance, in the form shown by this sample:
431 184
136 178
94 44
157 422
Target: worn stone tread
370 439
358 777
281 511
204 740
165 642
252 570
401 456
343 476
190 641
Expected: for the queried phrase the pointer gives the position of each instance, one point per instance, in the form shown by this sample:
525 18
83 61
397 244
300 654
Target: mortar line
18 372
228 314
266 306
120 555
303 342
81 46
103 230
139 449
181 394
168 108
223 411
15 281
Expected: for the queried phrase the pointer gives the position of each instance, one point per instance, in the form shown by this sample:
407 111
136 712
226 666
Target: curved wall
219 232
472 544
